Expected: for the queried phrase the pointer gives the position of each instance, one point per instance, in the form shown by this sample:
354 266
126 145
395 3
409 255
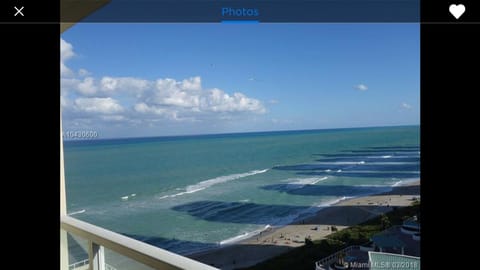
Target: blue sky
128 80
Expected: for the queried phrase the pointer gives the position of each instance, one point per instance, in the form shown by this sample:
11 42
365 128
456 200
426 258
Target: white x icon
19 11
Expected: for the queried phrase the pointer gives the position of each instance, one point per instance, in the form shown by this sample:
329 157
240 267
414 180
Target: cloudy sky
131 80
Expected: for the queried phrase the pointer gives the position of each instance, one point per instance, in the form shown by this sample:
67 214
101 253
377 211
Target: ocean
191 193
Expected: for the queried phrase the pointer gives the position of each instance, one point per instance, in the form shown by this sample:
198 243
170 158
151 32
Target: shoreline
273 241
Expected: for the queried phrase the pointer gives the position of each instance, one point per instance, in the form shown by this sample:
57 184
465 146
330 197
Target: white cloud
187 98
169 92
192 84
66 52
89 99
155 113
144 108
406 106
273 101
123 84
98 105
63 101
361 87
113 118
87 86
218 101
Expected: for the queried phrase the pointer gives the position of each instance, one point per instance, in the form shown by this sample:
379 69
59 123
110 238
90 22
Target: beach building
387 241
359 257
391 249
412 226
382 260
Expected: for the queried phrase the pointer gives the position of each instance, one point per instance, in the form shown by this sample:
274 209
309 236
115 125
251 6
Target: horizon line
230 133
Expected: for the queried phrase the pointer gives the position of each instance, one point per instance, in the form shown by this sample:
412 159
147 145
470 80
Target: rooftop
381 260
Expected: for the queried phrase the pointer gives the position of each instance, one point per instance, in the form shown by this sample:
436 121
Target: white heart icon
457 10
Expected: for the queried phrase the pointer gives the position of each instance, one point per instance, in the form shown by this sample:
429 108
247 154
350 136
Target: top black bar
255 11
289 11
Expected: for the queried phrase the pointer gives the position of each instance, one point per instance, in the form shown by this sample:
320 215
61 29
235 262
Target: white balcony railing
77 264
324 264
100 238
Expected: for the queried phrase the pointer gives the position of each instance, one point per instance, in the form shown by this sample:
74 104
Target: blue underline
240 21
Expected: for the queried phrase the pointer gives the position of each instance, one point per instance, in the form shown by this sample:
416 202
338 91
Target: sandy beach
275 241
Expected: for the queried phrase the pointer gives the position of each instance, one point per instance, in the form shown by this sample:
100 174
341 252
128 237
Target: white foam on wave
396 163
309 211
181 193
305 181
126 197
235 239
243 236
387 156
374 185
319 180
394 184
334 201
398 183
341 163
223 179
389 187
214 181
397 156
77 212
405 182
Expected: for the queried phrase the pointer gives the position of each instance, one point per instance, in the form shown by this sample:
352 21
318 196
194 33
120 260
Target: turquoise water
191 193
